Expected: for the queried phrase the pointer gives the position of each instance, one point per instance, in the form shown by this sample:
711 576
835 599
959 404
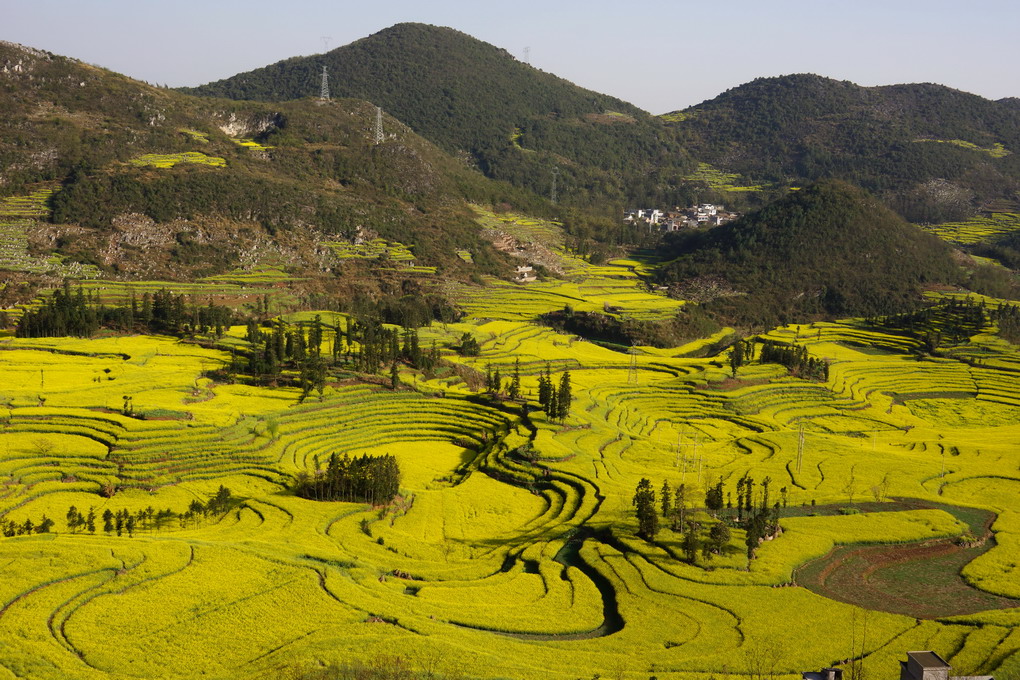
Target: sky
661 56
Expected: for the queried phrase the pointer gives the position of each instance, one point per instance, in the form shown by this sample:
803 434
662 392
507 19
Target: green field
490 563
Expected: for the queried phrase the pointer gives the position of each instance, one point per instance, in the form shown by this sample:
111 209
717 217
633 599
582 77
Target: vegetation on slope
514 121
801 128
227 182
829 250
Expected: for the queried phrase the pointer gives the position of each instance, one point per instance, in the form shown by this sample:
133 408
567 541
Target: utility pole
800 447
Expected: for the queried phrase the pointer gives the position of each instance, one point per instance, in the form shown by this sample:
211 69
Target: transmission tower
527 55
555 174
324 91
632 376
325 42
378 125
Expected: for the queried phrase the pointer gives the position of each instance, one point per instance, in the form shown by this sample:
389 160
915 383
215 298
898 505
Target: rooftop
928 659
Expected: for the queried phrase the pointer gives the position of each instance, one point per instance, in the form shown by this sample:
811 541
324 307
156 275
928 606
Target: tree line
79 314
365 479
119 522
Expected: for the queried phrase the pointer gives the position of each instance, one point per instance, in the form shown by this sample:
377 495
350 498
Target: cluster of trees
952 321
555 397
755 512
80 315
363 345
10 528
794 357
124 521
365 479
1008 319
495 386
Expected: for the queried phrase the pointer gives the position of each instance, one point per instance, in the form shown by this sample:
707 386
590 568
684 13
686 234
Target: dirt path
920 579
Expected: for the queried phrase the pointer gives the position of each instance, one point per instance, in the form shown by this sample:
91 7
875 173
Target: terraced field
511 551
18 215
981 229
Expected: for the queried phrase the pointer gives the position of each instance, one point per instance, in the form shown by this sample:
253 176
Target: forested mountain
932 152
830 250
514 121
200 185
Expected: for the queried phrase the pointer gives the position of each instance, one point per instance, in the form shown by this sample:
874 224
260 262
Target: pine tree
690 543
714 498
644 502
544 388
515 381
563 397
666 500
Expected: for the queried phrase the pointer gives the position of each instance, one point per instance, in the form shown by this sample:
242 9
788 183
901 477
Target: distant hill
514 121
152 183
830 250
932 152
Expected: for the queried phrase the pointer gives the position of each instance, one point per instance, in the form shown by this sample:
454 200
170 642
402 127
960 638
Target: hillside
514 121
200 186
934 153
828 250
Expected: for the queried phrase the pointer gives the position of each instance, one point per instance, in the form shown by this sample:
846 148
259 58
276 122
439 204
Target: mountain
932 152
828 250
152 183
513 121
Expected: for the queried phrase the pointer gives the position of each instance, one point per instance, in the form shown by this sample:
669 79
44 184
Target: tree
719 536
563 397
690 543
666 500
714 498
544 388
469 346
644 502
394 376
737 357
679 506
514 390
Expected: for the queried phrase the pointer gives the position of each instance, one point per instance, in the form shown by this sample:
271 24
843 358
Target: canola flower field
492 563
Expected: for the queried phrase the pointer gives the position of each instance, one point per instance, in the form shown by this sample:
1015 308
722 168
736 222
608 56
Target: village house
925 665
677 219
525 273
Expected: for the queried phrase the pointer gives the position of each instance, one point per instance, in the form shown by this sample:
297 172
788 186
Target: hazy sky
661 56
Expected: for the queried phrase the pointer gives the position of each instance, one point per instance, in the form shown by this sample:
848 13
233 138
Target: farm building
925 665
